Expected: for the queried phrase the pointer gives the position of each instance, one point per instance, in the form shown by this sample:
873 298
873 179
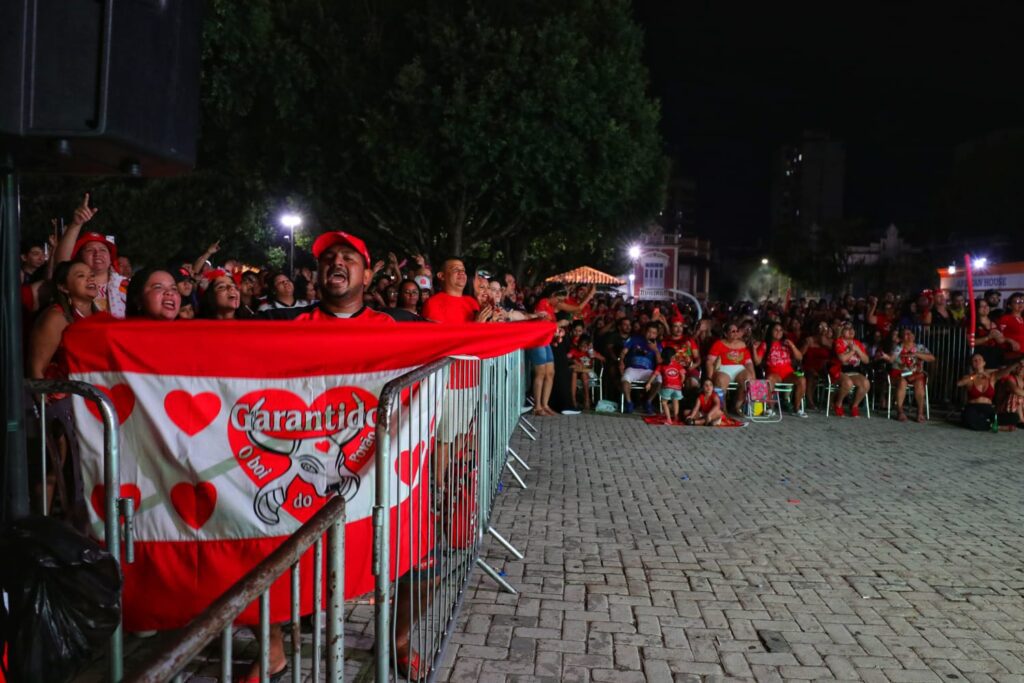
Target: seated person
979 412
1011 323
582 357
729 360
907 359
778 357
687 351
707 409
640 356
1010 397
847 370
670 374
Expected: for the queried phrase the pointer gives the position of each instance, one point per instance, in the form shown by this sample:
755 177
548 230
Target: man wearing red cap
100 254
343 268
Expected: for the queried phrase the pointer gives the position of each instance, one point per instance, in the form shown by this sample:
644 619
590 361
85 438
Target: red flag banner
233 433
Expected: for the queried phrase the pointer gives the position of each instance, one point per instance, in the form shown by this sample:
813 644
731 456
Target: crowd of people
606 346
687 364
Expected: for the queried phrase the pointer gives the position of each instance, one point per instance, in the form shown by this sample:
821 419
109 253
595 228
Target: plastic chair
831 387
890 397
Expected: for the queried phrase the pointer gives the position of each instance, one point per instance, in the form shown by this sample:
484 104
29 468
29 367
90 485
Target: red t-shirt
883 323
1012 327
685 348
544 306
671 375
581 357
448 309
364 314
841 346
740 356
780 360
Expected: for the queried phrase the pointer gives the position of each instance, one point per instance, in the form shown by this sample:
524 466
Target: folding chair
762 403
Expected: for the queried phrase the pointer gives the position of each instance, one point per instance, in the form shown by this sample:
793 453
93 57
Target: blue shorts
540 355
671 394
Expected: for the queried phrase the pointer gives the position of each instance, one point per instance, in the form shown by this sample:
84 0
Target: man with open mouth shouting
343 273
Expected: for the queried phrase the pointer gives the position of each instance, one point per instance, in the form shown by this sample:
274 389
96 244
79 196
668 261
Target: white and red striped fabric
232 434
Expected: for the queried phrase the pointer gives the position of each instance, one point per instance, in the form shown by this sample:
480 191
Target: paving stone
904 559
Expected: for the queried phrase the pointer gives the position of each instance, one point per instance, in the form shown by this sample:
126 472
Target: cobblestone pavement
810 549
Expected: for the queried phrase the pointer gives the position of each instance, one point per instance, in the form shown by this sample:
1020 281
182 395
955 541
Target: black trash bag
64 594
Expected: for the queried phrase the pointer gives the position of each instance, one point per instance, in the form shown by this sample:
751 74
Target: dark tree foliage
516 131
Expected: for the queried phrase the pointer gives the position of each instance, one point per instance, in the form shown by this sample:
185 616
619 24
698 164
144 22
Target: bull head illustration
306 464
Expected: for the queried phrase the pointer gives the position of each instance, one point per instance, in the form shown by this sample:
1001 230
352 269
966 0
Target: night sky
898 83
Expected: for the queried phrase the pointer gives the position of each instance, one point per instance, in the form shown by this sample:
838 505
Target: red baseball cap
96 237
329 239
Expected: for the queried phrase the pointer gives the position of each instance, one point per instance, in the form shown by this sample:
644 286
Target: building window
654 273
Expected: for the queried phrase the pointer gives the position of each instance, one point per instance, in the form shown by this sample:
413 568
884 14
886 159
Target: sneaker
801 413
839 412
855 411
629 407
649 407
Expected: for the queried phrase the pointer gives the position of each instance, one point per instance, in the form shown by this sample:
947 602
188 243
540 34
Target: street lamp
952 269
980 262
634 252
291 221
764 262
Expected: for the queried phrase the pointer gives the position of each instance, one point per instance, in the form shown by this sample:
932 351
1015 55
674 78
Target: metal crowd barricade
468 410
168 662
115 507
949 344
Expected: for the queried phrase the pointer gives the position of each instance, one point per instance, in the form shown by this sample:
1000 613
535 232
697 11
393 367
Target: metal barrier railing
950 346
116 508
472 408
168 662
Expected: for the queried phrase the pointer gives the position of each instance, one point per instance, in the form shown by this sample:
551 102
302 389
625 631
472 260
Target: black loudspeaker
100 86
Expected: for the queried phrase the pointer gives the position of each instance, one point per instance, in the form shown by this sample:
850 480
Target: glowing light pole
634 256
291 221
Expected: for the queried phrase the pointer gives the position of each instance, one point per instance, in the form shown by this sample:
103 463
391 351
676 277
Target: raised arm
83 214
197 265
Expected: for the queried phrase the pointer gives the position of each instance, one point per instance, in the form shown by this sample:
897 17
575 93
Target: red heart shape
263 429
408 464
123 398
127 491
194 503
192 414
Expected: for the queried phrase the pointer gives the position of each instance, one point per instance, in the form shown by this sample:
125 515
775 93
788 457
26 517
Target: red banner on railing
232 434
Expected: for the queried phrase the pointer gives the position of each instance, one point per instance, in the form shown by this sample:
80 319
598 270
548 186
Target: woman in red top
729 361
980 411
1011 324
76 291
817 352
851 358
777 357
686 350
1010 393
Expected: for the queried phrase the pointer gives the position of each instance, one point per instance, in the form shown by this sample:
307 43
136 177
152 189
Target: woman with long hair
221 299
778 358
75 290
